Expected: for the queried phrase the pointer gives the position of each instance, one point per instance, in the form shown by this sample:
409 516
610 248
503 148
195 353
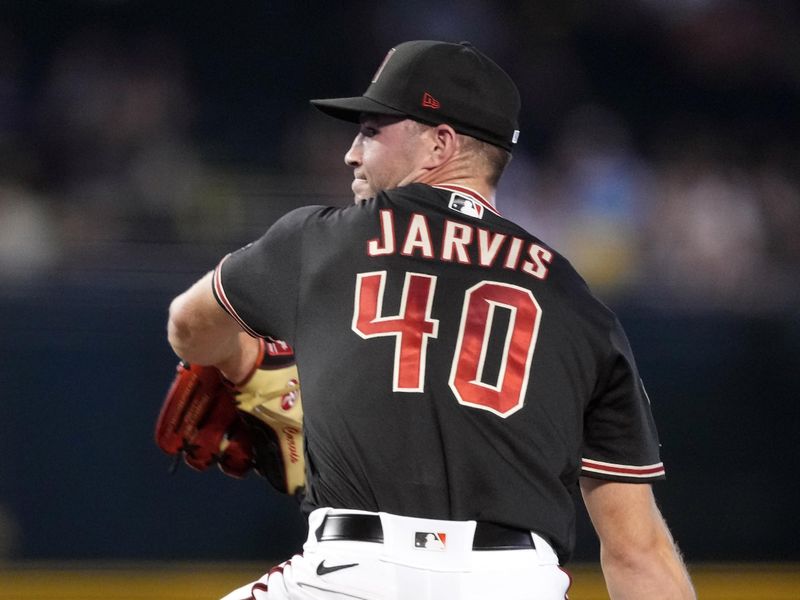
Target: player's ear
443 142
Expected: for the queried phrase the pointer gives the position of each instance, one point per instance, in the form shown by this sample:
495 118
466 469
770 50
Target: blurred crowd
659 149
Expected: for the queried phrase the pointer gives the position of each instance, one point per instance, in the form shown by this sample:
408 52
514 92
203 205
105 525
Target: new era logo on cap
429 101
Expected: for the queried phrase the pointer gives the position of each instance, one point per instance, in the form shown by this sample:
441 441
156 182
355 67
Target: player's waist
380 528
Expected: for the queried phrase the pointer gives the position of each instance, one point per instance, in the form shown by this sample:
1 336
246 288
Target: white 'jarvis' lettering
384 244
457 236
489 246
536 266
512 256
455 245
418 236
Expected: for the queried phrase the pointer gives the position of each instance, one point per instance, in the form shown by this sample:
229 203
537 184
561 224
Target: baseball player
459 379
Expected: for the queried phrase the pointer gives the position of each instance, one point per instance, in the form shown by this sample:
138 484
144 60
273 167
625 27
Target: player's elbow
179 326
196 325
198 330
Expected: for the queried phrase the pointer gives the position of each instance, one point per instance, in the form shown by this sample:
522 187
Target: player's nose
352 157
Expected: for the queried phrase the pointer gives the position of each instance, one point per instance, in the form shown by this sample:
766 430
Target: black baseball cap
439 82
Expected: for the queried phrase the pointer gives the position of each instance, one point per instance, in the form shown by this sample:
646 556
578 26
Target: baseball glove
257 424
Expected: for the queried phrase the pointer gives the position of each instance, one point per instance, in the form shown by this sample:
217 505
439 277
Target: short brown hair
494 158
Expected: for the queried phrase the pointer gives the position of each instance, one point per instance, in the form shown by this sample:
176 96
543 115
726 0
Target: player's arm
637 553
201 332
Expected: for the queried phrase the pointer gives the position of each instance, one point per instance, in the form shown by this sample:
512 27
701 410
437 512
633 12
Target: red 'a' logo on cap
429 101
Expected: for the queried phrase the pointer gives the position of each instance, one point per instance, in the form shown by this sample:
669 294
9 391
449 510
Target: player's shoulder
306 218
582 298
411 192
406 197
569 291
304 213
294 219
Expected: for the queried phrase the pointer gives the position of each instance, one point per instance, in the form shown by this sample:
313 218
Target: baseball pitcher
459 380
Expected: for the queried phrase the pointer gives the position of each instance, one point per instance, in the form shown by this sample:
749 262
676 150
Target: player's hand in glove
255 424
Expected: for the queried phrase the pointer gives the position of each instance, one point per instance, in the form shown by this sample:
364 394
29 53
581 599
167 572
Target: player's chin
361 191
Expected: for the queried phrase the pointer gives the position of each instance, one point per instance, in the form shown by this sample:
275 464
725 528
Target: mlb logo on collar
465 205
428 540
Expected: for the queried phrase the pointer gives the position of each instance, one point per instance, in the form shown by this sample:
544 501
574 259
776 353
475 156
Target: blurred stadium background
141 140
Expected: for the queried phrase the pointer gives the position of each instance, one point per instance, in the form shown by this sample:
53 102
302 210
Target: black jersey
453 366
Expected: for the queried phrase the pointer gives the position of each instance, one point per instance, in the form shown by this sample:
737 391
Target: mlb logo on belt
428 540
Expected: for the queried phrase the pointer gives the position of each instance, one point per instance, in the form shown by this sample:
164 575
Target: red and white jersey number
413 326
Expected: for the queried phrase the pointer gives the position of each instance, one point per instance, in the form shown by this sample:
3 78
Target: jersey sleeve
620 440
258 285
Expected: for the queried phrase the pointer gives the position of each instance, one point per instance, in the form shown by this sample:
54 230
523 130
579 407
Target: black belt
367 528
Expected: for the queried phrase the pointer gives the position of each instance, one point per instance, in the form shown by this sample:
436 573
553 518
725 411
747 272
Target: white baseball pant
418 559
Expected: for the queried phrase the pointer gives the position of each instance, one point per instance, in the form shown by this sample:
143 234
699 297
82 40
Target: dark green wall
83 370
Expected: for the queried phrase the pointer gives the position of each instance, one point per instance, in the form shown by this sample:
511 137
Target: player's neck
457 175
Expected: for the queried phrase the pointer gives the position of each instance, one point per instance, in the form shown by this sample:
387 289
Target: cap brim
351 109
